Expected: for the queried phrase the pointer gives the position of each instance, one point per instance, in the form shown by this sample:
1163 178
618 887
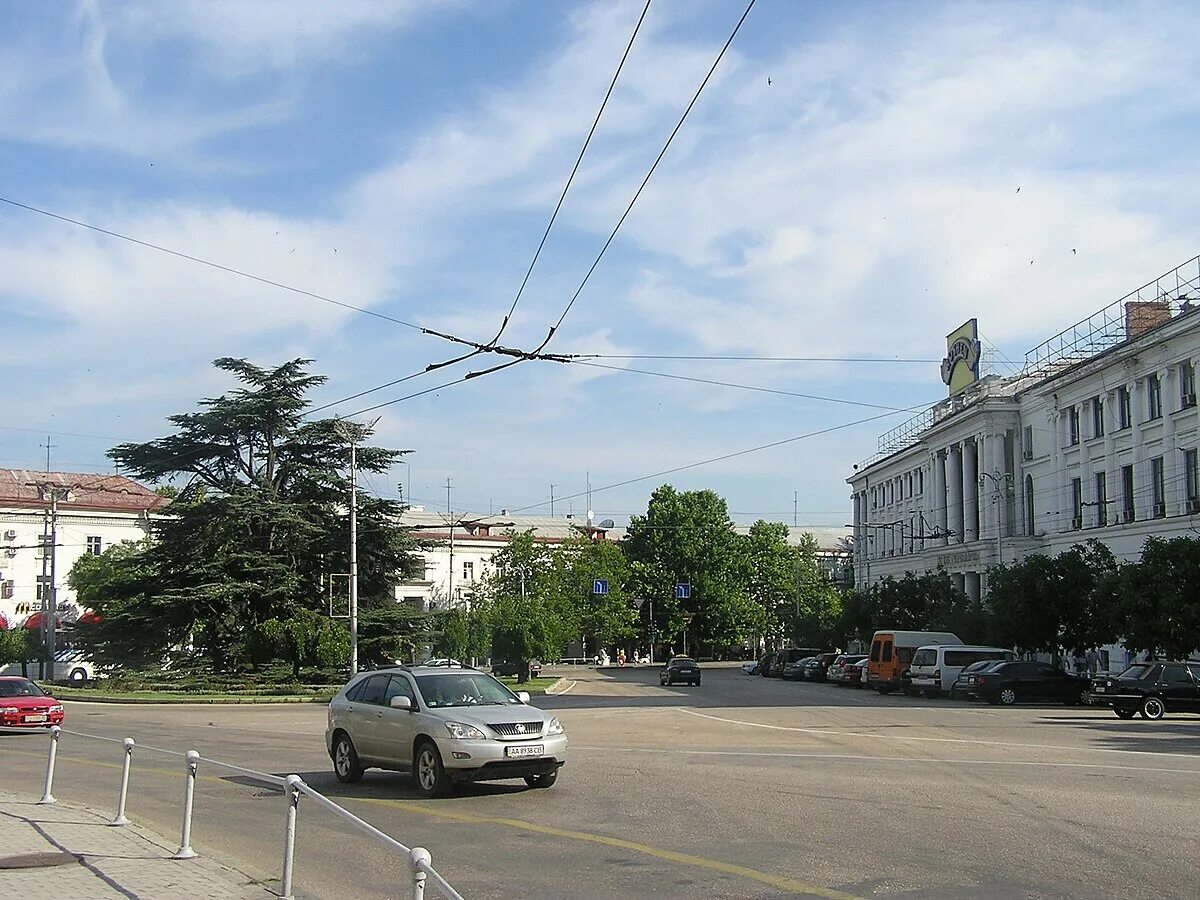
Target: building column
971 586
1006 479
1174 489
987 487
970 488
959 580
954 499
939 495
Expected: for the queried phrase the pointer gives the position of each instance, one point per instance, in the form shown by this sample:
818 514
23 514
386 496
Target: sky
855 181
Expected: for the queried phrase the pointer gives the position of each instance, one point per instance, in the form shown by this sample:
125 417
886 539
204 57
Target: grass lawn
101 695
533 685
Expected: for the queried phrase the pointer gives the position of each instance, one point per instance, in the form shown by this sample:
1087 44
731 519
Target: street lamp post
1000 480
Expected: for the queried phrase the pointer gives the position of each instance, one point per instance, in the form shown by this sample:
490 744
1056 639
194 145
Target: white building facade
1097 437
94 513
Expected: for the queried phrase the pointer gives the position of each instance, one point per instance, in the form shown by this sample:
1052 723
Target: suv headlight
56 709
461 732
10 710
555 726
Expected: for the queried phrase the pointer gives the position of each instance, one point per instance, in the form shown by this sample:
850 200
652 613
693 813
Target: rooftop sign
960 368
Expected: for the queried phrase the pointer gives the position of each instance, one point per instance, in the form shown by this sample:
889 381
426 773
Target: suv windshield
20 689
464 689
925 657
683 661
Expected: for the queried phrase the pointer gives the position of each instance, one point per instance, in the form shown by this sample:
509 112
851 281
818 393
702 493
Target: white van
934 668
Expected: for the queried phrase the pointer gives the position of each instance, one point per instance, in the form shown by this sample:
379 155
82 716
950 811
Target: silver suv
442 724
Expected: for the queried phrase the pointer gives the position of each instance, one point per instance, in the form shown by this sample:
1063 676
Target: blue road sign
683 591
600 586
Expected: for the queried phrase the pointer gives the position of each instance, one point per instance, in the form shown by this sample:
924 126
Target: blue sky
862 204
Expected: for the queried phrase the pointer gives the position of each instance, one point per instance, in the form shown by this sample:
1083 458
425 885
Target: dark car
766 665
682 669
1153 689
815 667
1012 682
512 667
794 671
787 656
964 686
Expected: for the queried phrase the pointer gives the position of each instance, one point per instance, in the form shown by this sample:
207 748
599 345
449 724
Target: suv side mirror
523 696
402 703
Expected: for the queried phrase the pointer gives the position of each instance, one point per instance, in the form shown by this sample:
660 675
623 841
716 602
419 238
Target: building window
43 546
1073 426
1027 443
1128 512
1158 487
874 498
1191 481
94 545
43 587
1101 499
1097 417
1124 408
468 571
1076 503
1029 517
1187 385
920 481
1153 397
6 590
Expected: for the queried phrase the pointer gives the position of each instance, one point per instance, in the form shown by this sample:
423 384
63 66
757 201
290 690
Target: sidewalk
91 860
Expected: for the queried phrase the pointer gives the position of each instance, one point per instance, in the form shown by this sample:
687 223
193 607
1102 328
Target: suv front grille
518 729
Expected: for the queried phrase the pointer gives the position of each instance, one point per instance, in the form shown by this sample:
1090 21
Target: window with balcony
1073 426
1158 487
1027 443
1076 503
1101 499
1191 479
1153 397
1128 510
1097 417
1124 408
1187 385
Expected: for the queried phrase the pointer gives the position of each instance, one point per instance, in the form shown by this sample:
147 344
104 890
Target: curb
561 686
194 701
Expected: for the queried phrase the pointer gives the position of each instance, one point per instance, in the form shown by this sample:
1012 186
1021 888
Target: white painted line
934 740
902 759
570 684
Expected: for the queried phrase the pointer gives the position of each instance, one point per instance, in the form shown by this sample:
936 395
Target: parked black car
512 667
1153 689
788 655
794 671
682 669
964 686
1010 682
815 667
767 664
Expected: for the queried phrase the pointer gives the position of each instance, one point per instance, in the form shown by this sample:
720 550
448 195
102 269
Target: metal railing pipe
48 792
185 850
418 863
124 793
292 798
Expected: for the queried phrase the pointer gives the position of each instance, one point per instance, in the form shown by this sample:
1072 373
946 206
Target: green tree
20 645
308 638
606 619
1158 598
688 537
770 575
118 585
817 611
259 523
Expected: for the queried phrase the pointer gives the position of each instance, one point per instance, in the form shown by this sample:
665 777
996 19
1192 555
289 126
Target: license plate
1098 690
523 750
35 718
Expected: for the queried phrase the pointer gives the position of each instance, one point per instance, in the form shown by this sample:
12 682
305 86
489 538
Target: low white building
94 512
1096 437
457 559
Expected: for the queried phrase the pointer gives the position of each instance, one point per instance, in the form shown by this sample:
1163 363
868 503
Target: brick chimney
1141 316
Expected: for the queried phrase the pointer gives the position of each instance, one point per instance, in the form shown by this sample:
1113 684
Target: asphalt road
742 788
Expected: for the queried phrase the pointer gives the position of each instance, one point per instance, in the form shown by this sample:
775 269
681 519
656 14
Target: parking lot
743 787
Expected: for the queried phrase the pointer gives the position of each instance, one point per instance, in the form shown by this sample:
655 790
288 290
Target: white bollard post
416 857
185 850
291 796
47 795
120 819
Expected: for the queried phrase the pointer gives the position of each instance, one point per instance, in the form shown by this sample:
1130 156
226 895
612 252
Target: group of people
603 659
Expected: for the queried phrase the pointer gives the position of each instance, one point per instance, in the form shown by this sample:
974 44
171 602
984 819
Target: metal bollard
189 790
291 796
47 795
120 819
416 857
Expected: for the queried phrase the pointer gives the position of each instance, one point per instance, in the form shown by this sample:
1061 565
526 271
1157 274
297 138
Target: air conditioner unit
1077 523
1193 505
10 535
1160 510
1189 400
10 552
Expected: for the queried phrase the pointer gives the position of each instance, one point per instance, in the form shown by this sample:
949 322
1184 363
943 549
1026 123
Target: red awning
89 618
3 621
34 622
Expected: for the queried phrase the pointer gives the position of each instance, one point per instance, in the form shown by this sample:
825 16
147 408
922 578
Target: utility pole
450 518
795 508
53 493
48 446
353 555
552 501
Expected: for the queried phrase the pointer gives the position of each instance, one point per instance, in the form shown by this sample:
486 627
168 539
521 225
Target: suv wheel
1008 696
346 766
428 773
1153 708
542 781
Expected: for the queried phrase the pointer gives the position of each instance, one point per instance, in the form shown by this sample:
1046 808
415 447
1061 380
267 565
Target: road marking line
936 740
777 881
865 758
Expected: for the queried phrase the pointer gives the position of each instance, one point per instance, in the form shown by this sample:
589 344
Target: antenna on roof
47 445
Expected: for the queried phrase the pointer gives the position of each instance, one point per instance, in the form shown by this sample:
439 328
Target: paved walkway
98 861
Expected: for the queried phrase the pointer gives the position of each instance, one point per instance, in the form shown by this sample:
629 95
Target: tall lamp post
1001 481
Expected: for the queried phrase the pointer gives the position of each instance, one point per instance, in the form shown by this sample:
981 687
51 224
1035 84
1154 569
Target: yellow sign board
960 368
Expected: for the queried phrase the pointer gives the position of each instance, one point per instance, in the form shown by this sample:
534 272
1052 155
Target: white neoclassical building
1096 437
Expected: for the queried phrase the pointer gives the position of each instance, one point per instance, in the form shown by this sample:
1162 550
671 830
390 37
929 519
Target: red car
25 705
